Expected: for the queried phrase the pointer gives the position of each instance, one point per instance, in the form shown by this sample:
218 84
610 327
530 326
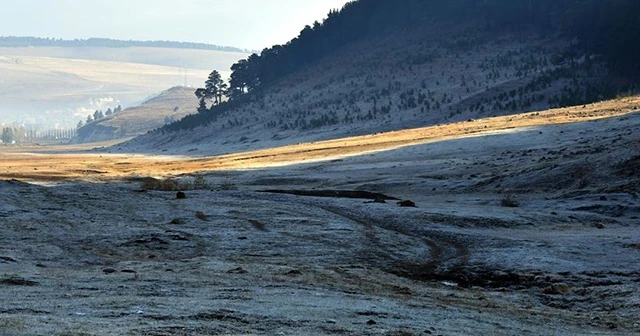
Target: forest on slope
608 29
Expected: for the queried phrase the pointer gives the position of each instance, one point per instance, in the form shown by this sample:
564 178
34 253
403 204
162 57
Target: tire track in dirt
448 258
447 254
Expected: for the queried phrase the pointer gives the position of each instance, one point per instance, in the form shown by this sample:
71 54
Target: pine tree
214 87
202 107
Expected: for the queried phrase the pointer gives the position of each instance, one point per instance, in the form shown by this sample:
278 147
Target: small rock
238 270
599 226
177 221
243 238
202 216
557 289
294 272
181 195
407 204
371 322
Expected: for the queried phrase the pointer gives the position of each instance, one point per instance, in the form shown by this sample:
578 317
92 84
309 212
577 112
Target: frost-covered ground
111 259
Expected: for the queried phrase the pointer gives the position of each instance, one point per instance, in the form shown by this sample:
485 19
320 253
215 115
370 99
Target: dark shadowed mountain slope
379 65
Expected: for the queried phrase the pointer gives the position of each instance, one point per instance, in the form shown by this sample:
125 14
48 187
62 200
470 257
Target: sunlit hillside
168 106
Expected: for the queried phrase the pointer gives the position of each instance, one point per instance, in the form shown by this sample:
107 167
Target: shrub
199 182
510 201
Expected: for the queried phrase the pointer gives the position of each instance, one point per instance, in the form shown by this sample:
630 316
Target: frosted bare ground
239 261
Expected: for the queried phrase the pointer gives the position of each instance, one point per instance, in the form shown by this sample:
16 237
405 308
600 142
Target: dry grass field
37 164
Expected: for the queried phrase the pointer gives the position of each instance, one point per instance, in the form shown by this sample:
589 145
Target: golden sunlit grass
106 167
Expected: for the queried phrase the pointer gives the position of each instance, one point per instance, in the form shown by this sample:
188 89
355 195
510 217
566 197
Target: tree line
97 115
30 41
19 134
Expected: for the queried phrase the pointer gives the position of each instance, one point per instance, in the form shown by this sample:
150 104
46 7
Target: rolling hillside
168 106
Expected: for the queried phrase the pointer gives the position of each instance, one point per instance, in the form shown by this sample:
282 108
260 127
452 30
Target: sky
247 24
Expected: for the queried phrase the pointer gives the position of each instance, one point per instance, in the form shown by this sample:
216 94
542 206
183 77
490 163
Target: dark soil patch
258 225
335 194
17 281
466 277
220 315
630 168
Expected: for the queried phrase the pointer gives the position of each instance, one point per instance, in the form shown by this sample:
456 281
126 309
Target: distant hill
30 41
166 107
61 85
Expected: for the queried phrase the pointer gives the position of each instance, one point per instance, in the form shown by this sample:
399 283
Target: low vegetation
510 201
197 182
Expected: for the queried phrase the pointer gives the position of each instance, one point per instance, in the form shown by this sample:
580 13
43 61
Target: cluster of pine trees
99 114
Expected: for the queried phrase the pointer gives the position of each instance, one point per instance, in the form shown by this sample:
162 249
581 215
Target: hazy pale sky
250 24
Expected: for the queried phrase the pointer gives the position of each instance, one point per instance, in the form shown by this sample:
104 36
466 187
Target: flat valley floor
522 229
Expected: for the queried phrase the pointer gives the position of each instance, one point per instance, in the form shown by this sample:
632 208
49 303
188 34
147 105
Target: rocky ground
527 231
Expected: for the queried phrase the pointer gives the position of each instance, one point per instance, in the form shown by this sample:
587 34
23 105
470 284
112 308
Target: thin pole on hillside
185 77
